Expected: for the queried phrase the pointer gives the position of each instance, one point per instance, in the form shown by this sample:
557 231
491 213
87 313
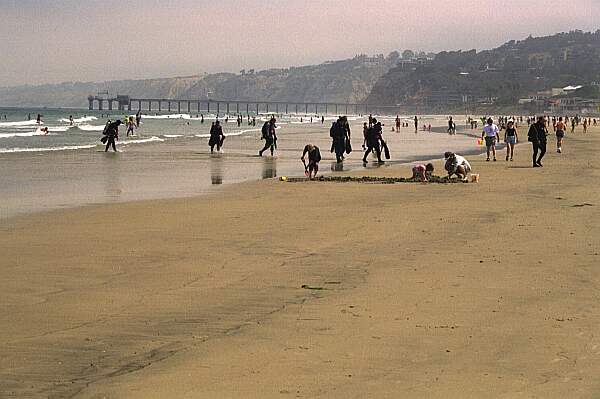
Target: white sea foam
167 116
172 136
62 148
239 133
58 128
79 120
37 132
183 116
16 124
91 128
141 141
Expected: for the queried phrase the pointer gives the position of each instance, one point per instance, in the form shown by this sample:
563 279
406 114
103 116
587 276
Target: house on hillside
574 105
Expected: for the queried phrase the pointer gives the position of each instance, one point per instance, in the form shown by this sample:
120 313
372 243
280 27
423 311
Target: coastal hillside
500 76
341 81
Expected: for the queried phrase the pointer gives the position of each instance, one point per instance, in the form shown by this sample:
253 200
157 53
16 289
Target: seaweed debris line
373 179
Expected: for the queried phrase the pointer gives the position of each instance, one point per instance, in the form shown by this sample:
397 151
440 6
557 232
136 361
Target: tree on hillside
408 55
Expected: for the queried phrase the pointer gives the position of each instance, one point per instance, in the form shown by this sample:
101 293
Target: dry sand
423 290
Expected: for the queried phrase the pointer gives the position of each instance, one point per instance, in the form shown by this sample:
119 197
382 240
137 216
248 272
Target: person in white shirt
456 165
491 136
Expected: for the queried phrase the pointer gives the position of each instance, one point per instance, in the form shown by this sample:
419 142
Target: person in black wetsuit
138 118
373 138
112 134
340 133
270 137
537 136
314 157
216 137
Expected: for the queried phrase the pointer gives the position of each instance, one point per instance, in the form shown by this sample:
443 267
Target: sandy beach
337 290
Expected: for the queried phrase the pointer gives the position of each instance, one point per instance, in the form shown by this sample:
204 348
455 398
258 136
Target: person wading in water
111 133
216 137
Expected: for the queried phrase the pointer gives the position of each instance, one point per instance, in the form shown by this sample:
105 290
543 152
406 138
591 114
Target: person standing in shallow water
138 118
112 134
216 137
340 133
374 135
537 136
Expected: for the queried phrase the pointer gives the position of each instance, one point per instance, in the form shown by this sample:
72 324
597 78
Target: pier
223 107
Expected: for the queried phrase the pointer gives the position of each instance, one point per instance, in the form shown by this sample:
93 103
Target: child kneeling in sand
422 172
314 157
456 165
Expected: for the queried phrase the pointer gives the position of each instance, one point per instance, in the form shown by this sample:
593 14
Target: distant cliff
342 81
500 76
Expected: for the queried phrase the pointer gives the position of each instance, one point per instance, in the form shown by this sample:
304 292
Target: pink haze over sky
53 41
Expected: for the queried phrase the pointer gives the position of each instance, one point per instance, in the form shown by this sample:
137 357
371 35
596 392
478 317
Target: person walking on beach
491 135
111 134
216 137
560 134
365 135
314 157
451 127
373 137
397 123
537 136
510 138
416 123
270 137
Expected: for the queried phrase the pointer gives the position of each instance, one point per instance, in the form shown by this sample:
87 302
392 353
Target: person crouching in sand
422 172
314 157
456 165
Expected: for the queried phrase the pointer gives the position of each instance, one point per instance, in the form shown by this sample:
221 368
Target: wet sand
272 289
183 167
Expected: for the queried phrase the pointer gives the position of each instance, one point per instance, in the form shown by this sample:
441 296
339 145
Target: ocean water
169 157
20 132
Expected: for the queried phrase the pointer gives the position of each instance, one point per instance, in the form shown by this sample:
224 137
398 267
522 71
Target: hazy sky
53 41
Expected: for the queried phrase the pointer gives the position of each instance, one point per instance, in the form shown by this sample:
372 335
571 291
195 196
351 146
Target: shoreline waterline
179 167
